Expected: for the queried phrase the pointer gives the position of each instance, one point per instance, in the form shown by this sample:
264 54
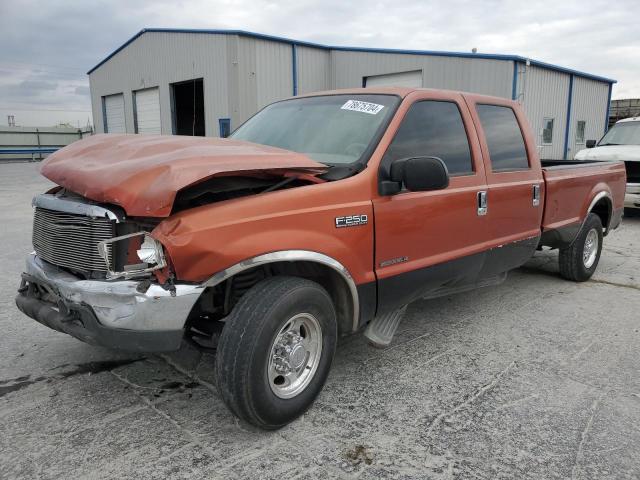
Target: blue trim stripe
243 33
606 118
294 68
566 128
514 85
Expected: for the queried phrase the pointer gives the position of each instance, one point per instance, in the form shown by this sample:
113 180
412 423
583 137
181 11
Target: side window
580 128
547 131
433 129
504 138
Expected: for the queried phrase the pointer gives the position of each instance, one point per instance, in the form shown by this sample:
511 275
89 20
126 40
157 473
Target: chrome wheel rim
295 355
590 250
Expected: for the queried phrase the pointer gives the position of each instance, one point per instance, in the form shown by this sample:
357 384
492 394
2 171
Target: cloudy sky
48 46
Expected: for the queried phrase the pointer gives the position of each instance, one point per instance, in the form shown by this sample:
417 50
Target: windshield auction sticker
364 107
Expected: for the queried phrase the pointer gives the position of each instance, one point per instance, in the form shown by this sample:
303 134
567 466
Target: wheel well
602 208
217 302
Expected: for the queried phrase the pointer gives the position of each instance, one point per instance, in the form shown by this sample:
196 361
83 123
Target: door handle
536 195
482 202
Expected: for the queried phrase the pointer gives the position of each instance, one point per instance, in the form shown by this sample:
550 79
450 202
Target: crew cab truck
620 143
322 215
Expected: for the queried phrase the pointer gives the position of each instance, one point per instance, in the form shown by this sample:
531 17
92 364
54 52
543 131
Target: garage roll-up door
114 114
402 79
147 110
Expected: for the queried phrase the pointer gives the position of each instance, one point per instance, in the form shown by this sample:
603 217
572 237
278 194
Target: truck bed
568 180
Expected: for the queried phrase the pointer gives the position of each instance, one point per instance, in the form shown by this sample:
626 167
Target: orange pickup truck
322 215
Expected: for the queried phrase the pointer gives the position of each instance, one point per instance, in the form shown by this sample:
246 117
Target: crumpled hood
626 153
143 173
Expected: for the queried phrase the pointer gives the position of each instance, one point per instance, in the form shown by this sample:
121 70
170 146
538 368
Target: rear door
426 241
514 177
113 110
147 110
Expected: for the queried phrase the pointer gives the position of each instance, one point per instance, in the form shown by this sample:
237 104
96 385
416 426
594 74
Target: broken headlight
149 251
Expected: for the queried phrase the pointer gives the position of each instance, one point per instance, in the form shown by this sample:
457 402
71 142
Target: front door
425 241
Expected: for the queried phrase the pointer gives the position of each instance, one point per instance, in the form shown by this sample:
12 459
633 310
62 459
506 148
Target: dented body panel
210 238
143 174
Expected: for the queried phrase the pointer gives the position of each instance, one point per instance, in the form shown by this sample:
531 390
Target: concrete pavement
536 378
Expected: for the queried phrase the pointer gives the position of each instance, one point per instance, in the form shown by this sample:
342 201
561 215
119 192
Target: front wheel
579 261
275 350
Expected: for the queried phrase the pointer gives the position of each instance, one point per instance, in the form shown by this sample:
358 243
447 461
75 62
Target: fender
293 256
599 196
565 236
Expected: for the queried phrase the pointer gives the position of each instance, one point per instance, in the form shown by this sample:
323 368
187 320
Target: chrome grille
71 240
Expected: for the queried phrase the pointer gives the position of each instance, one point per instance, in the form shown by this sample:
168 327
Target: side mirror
417 174
591 143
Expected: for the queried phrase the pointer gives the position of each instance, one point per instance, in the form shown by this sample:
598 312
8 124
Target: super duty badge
351 221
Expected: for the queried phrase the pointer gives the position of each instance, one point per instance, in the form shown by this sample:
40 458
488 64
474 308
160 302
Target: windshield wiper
607 144
338 172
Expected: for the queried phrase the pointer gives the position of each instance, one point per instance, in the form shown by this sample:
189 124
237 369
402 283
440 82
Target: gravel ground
536 378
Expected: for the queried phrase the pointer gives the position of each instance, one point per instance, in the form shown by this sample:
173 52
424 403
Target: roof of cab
398 91
401 92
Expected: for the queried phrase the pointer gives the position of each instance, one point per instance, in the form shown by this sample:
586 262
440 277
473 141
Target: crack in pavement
190 374
185 431
583 436
615 284
14 384
476 395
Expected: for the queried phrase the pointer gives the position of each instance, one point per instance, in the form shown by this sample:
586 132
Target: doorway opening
188 107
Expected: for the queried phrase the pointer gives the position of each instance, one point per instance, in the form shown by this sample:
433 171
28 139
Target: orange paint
144 173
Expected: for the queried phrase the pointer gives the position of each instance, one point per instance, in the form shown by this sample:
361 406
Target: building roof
243 33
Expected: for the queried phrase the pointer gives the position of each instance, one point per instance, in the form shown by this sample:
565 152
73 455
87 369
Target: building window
580 127
547 131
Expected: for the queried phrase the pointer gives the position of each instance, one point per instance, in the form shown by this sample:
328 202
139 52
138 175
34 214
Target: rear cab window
507 149
433 128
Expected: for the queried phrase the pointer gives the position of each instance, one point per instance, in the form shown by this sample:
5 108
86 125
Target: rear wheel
275 350
579 261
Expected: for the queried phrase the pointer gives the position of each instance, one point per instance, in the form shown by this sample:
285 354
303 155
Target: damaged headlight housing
150 253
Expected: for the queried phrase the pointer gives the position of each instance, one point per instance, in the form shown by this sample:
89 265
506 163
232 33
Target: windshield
626 133
332 129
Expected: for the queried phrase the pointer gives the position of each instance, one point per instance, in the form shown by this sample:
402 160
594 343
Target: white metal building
207 82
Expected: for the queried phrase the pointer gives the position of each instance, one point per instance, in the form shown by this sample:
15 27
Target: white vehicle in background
621 142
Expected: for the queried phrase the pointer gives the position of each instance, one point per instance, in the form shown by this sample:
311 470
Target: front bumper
632 196
124 315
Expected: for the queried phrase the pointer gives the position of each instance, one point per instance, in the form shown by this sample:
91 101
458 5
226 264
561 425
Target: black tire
244 350
572 262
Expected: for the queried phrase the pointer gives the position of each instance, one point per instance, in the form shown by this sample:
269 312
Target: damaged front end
101 277
149 252
100 271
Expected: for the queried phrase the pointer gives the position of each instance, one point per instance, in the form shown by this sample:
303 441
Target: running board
381 329
485 282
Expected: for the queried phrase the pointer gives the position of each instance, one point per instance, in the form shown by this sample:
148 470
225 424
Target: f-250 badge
351 221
